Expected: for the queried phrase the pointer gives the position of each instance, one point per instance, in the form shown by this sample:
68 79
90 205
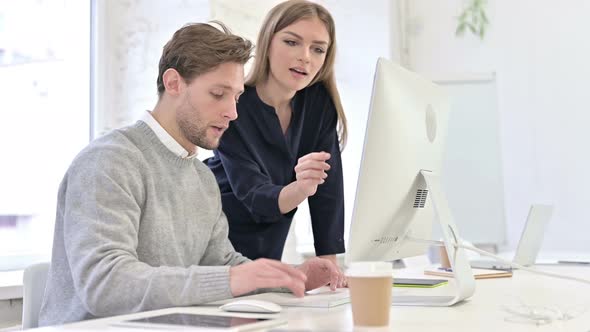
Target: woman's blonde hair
281 16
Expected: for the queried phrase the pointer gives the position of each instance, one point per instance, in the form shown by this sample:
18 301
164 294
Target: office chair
34 279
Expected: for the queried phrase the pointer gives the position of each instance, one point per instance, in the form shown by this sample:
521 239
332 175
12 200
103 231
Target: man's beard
192 127
196 134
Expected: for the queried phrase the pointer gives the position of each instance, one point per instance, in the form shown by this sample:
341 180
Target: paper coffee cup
370 286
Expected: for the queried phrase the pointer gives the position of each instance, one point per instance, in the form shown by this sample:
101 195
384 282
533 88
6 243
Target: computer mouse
256 306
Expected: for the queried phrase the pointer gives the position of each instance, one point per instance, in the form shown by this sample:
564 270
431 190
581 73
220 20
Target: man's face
209 104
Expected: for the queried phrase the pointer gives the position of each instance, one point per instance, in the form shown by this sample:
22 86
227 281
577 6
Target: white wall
472 172
557 66
131 35
539 51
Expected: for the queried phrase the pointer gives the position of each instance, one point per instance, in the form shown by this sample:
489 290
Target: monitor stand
464 281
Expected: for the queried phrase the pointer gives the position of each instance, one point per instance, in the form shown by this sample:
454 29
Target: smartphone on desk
419 283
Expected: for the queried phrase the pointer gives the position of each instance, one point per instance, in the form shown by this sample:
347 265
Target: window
44 117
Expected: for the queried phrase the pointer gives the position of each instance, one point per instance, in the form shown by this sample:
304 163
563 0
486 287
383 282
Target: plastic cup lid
369 269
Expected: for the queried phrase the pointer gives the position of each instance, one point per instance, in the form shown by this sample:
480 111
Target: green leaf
484 17
474 18
460 29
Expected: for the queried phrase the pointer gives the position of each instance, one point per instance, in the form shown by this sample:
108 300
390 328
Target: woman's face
297 53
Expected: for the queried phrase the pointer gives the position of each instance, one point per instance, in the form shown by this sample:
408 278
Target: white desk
483 312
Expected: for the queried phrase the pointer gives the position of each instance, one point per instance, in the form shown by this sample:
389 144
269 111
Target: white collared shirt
166 138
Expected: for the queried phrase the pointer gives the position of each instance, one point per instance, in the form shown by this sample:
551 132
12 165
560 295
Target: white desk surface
482 312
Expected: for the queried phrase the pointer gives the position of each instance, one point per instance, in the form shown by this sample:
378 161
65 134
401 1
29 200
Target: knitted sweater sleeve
103 194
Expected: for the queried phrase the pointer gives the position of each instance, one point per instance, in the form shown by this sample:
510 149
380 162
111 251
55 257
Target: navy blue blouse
255 160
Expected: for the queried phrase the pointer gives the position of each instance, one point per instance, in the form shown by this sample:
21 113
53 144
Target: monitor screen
405 134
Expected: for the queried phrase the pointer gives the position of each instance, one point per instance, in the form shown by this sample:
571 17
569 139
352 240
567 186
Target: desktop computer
399 196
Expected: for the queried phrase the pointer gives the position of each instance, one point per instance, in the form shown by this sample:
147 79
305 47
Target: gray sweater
137 228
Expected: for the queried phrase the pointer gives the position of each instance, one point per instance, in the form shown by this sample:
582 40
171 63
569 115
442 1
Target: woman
285 147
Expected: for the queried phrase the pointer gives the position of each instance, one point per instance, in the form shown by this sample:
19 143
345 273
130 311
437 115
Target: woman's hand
310 172
321 272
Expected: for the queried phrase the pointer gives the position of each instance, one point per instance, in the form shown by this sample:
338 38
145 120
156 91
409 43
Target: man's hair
197 48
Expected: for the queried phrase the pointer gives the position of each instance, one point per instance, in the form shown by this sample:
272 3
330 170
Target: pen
574 262
446 269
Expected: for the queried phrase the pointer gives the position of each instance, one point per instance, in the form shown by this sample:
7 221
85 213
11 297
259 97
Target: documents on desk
322 297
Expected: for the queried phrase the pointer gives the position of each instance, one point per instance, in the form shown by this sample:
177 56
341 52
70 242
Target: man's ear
173 82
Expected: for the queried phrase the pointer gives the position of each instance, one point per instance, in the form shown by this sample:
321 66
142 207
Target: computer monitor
398 192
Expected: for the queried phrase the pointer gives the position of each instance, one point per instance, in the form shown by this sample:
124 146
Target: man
139 222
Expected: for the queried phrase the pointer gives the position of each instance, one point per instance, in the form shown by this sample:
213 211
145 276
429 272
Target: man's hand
310 172
320 272
266 273
333 259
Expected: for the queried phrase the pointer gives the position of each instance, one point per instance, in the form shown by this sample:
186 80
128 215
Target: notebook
477 273
530 241
322 297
